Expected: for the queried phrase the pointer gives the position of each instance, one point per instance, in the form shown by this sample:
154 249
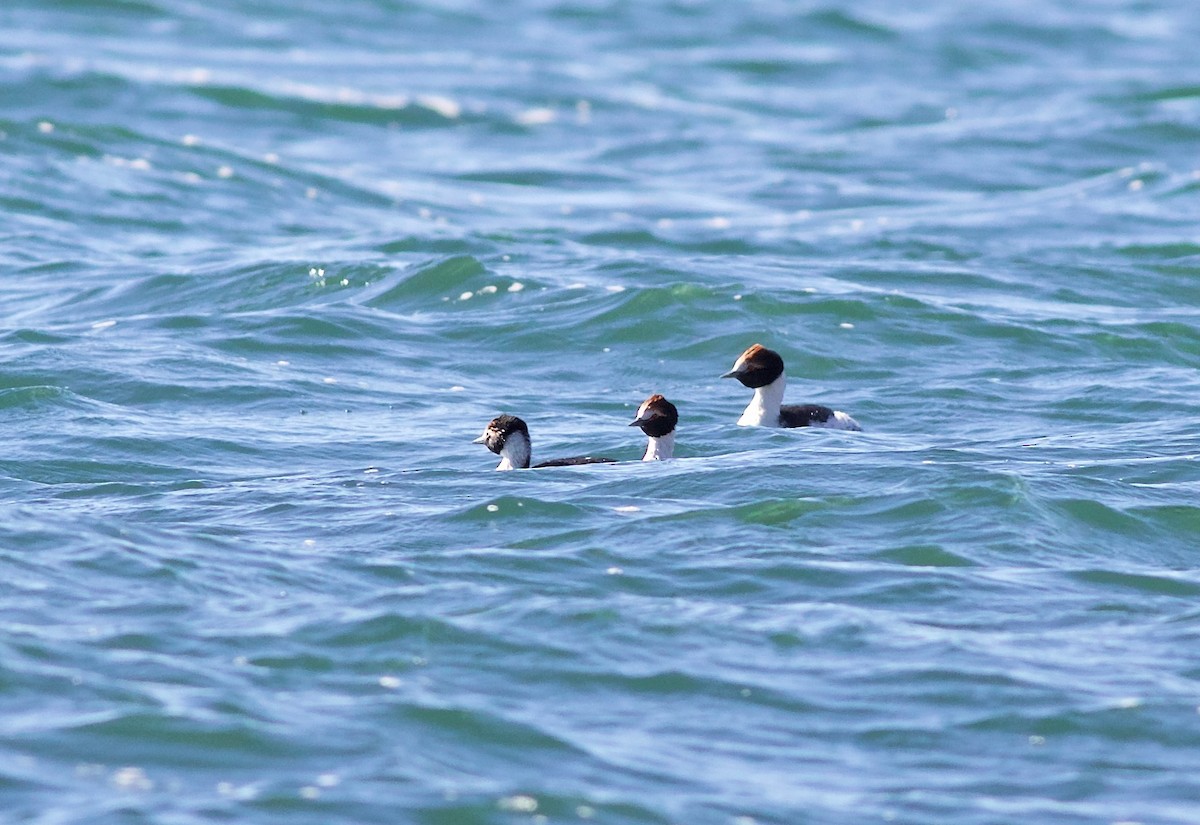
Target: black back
803 415
573 462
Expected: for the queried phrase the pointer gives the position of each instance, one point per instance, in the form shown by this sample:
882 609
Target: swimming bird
761 370
508 437
657 417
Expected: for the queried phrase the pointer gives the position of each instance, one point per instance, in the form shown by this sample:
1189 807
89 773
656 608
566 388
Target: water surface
268 268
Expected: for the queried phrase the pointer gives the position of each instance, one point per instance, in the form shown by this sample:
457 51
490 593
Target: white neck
661 448
515 453
763 409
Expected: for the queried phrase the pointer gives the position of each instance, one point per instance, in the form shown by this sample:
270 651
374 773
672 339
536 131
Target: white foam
444 106
536 117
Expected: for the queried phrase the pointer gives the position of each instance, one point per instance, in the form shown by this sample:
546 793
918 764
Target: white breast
763 409
515 453
661 448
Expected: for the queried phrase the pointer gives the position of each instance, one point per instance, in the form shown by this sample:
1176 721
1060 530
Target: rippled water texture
269 267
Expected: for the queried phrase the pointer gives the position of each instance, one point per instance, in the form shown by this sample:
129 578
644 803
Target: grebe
657 417
508 437
761 370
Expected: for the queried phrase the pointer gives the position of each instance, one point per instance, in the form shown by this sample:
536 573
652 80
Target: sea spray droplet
132 778
519 803
536 117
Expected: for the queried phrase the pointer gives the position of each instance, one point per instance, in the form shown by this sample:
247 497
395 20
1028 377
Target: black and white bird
761 370
508 437
657 417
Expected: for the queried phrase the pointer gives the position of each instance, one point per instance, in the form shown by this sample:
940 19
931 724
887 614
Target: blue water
267 269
